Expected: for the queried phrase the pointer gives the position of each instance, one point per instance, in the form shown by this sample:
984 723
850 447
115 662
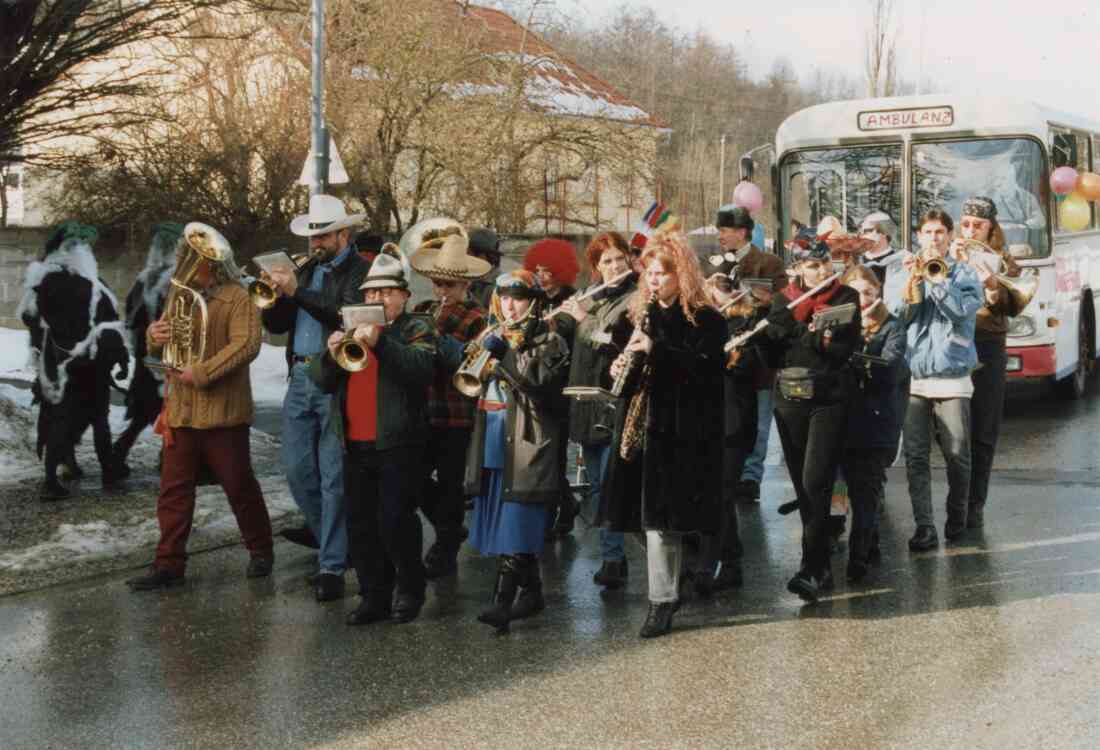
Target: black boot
53 490
507 582
612 574
659 620
568 510
530 600
442 558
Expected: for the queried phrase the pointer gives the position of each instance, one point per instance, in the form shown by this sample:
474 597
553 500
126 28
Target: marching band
665 375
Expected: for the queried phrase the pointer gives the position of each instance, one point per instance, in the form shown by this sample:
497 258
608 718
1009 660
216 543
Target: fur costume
76 340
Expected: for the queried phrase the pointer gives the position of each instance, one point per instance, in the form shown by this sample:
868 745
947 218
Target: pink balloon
1062 180
748 195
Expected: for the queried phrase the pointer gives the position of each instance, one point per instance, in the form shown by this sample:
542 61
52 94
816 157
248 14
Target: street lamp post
722 170
318 134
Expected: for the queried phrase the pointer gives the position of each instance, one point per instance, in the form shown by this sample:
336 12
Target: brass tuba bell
185 308
429 232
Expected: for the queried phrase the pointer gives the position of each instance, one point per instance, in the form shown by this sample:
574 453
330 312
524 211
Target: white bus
905 155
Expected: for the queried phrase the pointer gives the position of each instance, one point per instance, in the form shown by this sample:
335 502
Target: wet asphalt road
991 642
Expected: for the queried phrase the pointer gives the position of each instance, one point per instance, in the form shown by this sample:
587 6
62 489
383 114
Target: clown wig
672 251
559 256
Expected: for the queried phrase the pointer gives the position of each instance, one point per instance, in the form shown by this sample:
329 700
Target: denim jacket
940 329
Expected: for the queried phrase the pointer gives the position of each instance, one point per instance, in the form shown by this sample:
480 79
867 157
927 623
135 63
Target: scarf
814 304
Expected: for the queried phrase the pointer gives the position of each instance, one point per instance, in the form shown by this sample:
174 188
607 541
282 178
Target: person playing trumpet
513 465
379 417
939 309
458 319
987 256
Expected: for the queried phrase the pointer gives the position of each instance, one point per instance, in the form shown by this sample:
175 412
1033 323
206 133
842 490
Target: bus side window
1072 150
1063 151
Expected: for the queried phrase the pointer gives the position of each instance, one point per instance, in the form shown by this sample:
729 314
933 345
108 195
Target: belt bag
796 383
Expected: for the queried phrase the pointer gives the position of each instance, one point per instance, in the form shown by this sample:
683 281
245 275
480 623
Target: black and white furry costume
76 340
144 305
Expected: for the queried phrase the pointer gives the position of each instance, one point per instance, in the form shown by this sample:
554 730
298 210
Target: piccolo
587 294
741 338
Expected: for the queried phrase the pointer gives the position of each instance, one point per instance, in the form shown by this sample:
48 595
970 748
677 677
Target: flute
589 293
732 301
741 338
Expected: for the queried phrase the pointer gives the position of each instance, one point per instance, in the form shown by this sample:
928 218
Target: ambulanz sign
924 117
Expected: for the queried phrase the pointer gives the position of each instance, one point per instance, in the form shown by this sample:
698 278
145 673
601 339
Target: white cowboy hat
451 262
326 214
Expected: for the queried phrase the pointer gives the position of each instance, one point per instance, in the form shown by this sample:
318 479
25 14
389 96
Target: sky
1044 52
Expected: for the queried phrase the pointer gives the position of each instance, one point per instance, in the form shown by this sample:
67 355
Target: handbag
796 383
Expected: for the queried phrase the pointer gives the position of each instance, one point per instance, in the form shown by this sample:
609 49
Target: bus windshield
847 183
1008 170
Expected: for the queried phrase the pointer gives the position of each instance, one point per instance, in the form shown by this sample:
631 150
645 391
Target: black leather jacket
341 288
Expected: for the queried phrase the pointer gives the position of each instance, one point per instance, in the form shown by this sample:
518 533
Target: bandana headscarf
980 207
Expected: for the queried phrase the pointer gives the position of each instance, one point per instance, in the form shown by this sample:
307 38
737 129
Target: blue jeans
596 456
754 464
314 461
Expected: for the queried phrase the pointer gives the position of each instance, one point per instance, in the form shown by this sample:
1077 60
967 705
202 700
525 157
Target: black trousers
865 471
381 490
740 439
813 443
443 501
987 407
87 401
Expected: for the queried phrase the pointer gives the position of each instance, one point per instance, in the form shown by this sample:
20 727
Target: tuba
185 308
428 233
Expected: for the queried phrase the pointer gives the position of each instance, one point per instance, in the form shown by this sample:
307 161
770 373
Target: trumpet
477 367
933 270
350 354
262 292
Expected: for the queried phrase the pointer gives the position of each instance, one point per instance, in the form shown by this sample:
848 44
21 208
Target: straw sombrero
450 262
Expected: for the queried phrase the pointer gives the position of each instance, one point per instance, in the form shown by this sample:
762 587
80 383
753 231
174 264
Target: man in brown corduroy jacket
206 419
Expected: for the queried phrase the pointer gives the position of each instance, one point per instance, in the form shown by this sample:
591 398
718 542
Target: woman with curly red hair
667 443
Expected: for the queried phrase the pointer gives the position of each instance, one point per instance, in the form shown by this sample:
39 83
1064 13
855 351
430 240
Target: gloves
495 345
123 370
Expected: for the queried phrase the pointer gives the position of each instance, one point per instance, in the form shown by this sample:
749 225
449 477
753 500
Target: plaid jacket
447 408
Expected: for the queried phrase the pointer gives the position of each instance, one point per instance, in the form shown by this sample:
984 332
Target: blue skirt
502 528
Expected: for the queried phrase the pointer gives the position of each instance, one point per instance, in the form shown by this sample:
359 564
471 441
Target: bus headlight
1021 326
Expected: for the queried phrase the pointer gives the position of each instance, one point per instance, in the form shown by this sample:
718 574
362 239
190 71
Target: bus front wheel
1073 387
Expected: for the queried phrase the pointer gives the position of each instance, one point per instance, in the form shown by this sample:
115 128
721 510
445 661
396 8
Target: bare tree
223 142
880 54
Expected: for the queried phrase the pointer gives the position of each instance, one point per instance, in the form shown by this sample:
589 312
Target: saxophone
637 411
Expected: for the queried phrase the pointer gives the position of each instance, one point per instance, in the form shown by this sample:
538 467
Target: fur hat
70 230
734 217
559 256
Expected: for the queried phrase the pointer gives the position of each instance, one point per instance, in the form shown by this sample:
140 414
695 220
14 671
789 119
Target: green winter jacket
406 364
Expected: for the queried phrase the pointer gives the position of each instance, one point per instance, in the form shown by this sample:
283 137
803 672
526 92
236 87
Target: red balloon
1088 185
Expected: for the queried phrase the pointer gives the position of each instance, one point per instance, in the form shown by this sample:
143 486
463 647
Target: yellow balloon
1074 214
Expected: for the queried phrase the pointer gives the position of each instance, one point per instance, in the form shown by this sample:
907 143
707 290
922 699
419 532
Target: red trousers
227 452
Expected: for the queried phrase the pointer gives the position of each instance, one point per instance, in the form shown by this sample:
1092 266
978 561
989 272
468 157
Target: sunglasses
868 230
